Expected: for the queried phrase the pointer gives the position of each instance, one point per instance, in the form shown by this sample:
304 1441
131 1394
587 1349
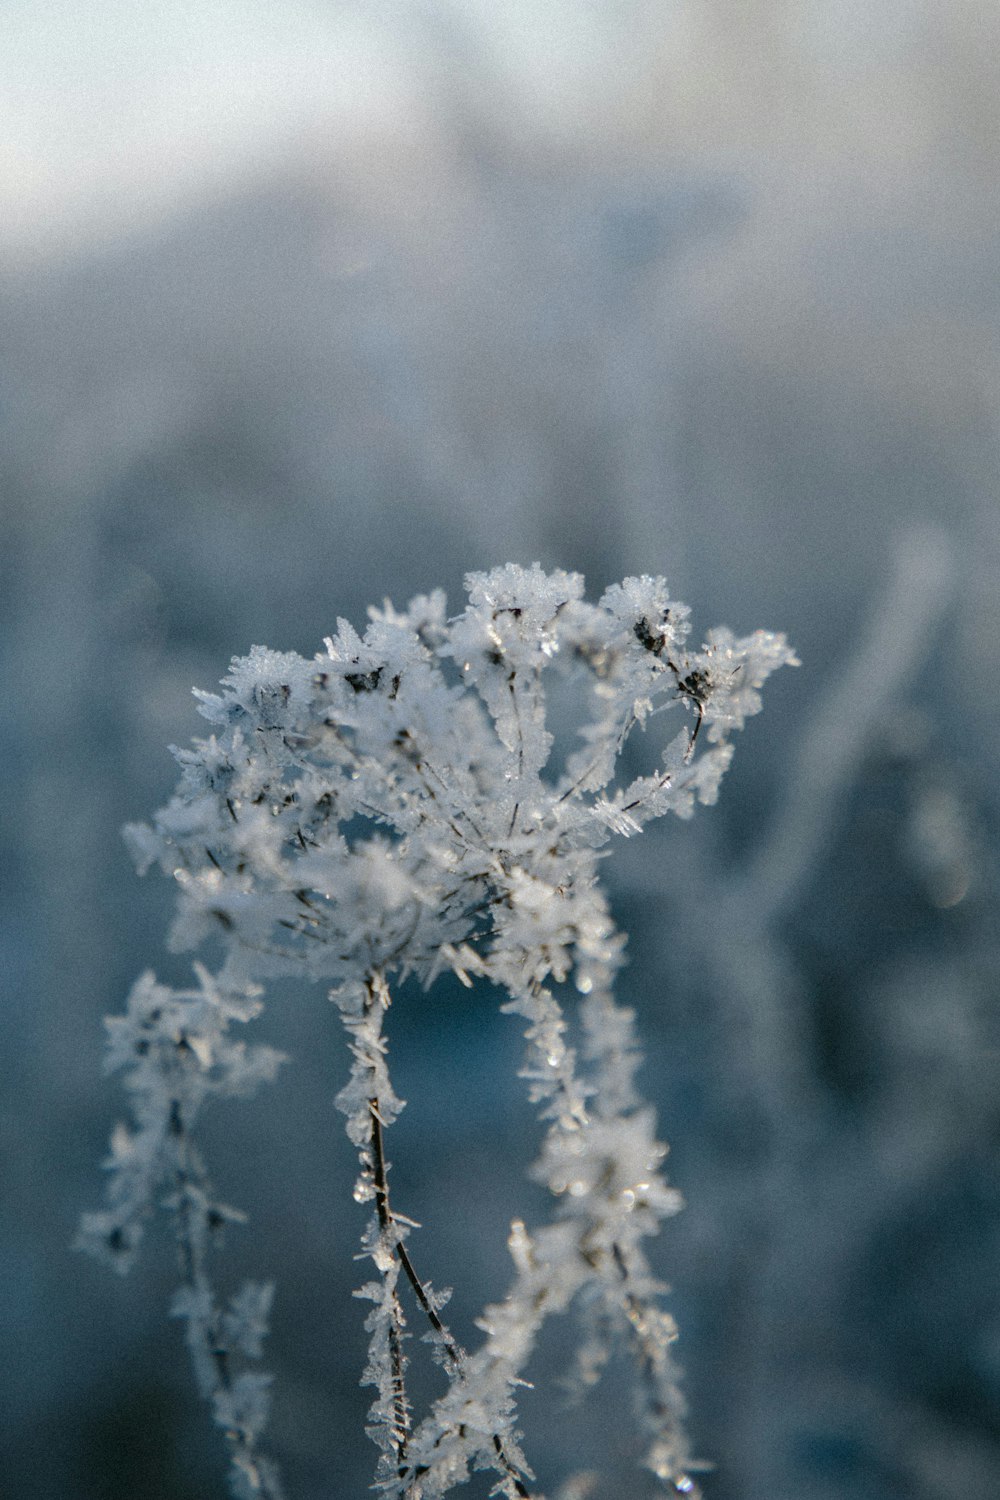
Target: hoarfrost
386 809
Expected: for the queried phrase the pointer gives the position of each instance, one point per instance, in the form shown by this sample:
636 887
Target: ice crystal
395 807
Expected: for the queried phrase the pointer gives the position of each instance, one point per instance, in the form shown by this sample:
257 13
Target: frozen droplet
519 1245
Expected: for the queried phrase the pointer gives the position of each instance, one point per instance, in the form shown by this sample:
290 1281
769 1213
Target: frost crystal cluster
396 807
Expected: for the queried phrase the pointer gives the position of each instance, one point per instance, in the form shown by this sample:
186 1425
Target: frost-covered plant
394 807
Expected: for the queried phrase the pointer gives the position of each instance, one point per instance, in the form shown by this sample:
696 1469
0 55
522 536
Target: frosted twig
174 1050
390 808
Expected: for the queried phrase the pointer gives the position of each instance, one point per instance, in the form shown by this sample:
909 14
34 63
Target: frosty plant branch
396 807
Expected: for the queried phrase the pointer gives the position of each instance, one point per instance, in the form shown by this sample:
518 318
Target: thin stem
375 995
665 1401
387 1225
209 1350
454 1353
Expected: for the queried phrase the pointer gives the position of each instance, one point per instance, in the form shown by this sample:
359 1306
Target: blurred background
308 305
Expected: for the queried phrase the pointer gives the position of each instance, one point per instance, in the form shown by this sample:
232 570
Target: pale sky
114 114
